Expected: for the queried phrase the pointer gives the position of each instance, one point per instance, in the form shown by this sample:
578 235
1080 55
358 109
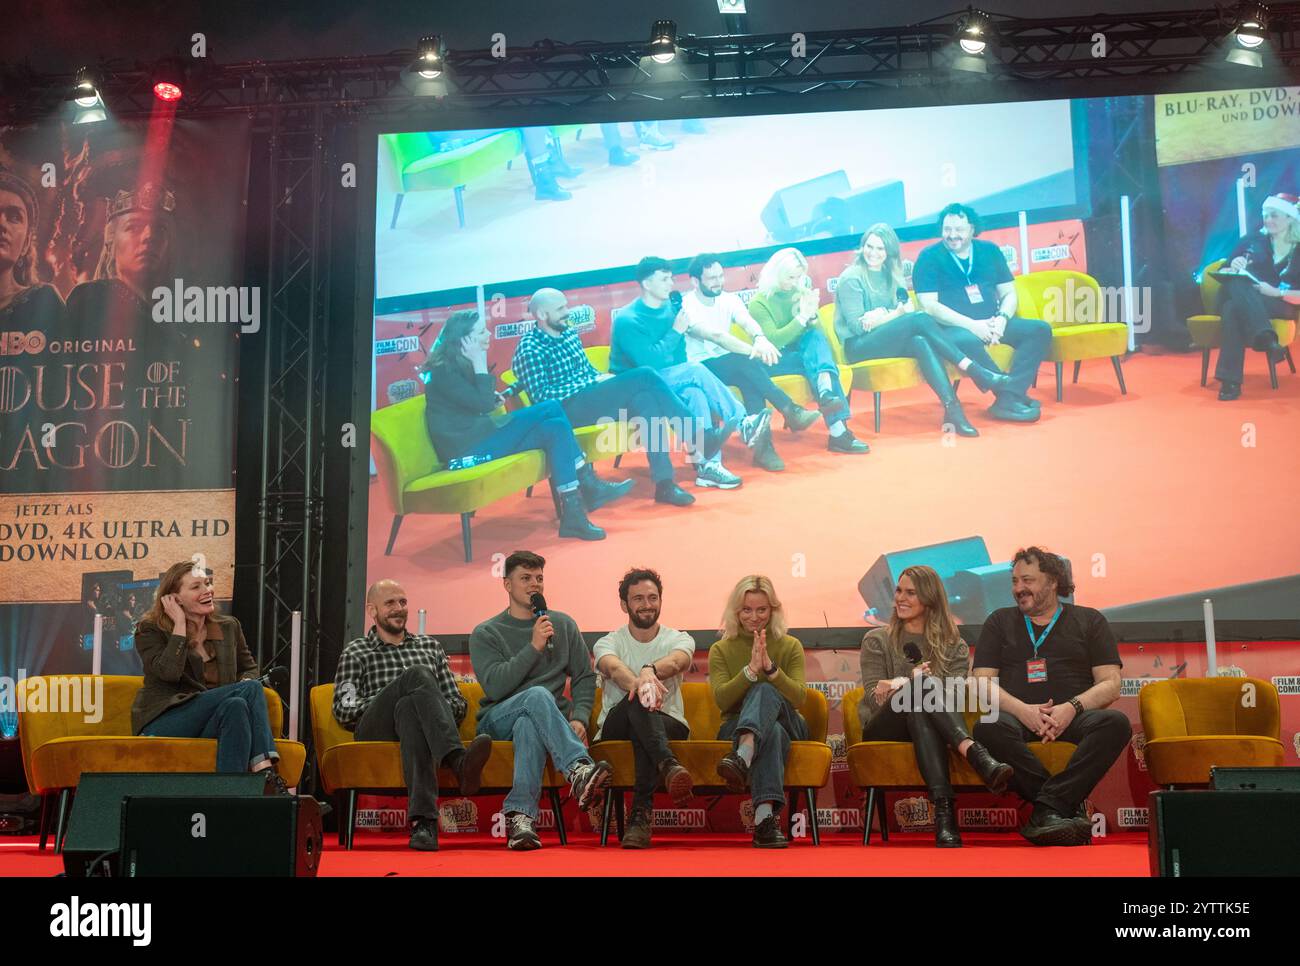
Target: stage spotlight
734 19
428 57
168 78
663 41
1252 26
85 92
974 30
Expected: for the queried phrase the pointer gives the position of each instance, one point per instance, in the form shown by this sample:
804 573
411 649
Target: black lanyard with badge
1036 667
973 293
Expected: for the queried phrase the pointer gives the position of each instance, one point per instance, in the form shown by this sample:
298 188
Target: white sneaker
756 428
715 474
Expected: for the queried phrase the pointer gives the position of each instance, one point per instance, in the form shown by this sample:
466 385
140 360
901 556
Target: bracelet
653 670
770 671
749 674
1077 705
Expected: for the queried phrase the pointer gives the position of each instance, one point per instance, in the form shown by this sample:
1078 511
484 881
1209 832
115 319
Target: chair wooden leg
1060 378
392 534
528 493
397 206
1078 364
875 409
350 817
558 808
1289 360
1119 375
606 813
465 537
884 816
811 794
460 204
868 815
1272 373
555 498
1205 366
341 810
61 827
47 807
619 459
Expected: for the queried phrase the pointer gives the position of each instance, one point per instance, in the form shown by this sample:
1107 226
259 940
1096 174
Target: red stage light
165 91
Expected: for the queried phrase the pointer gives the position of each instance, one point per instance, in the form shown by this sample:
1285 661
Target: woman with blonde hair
874 319
200 681
785 308
921 640
756 672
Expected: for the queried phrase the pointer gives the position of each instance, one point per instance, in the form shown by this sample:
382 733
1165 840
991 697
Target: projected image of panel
729 312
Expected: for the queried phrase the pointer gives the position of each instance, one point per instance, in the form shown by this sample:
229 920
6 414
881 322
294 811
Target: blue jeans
643 393
234 714
704 394
1031 338
809 356
774 723
532 720
542 426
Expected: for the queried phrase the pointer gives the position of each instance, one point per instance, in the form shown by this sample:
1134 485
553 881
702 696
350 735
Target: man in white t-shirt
709 341
641 666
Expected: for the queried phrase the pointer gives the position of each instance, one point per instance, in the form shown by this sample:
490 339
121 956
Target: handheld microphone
912 653
538 603
675 299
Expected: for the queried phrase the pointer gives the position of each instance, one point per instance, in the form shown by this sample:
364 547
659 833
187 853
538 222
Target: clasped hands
1047 720
887 686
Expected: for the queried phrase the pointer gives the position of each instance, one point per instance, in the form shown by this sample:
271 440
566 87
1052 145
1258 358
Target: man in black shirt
1055 669
964 284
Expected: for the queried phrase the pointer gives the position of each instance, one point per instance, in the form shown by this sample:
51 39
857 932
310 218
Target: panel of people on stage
1052 670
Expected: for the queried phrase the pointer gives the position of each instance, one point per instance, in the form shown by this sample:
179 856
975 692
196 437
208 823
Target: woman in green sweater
757 677
785 308
921 640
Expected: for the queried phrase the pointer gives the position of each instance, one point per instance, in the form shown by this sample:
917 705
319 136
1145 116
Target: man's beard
1035 604
710 293
388 625
644 623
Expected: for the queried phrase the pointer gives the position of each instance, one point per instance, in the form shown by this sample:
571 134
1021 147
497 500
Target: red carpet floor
685 854
1125 485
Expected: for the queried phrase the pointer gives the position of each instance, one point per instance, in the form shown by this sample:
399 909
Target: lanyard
1037 642
965 270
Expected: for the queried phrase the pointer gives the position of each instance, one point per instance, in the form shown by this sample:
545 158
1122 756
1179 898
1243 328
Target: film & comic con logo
834 690
381 819
1287 684
839 818
1132 818
988 817
1129 687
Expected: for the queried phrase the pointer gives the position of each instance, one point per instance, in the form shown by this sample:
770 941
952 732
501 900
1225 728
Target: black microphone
538 603
912 653
675 299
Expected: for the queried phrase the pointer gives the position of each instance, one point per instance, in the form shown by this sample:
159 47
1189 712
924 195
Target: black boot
994 774
1271 347
1230 391
955 416
597 492
561 168
986 380
946 835
932 370
547 187
798 419
573 518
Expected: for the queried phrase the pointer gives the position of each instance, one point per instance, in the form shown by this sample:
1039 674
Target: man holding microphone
523 658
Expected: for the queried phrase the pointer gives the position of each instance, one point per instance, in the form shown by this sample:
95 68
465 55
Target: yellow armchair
417 483
57 746
1072 303
808 767
880 766
1193 724
349 767
1206 329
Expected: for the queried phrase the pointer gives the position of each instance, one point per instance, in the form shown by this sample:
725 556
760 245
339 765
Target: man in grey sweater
523 660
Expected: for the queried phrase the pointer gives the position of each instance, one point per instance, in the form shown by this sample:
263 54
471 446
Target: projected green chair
420 166
1071 302
417 482
1207 329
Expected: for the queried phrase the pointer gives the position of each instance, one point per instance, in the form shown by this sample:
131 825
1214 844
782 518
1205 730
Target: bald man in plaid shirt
393 685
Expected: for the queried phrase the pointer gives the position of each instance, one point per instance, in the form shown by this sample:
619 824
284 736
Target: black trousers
649 732
414 712
930 732
751 378
1247 321
1101 736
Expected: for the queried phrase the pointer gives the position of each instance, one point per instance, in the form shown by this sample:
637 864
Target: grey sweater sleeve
850 303
499 673
582 678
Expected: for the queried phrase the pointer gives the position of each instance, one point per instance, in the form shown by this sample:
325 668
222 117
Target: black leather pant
931 734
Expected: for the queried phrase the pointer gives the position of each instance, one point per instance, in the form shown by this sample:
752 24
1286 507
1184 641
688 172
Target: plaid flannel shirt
368 665
550 368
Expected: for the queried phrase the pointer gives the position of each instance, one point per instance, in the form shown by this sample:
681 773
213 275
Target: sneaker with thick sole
424 835
636 834
756 427
767 458
846 442
716 475
1053 829
520 834
587 782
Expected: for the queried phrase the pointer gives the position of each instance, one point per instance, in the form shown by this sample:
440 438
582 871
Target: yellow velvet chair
1194 724
417 483
349 767
1071 302
1206 329
877 767
596 442
58 746
808 767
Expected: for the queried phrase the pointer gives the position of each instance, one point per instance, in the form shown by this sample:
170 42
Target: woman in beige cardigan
922 641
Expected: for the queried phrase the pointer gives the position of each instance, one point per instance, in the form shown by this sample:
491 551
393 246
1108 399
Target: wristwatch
652 670
1077 705
769 671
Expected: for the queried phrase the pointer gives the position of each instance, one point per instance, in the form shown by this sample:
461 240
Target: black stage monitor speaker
791 212
275 835
877 584
96 821
1255 779
1213 833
